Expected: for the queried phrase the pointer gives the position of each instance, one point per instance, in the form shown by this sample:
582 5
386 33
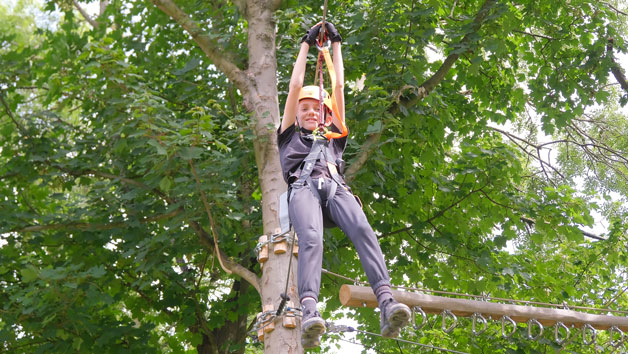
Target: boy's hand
311 36
332 32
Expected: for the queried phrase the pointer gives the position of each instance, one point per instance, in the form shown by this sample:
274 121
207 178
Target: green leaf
196 339
190 153
160 149
374 128
166 183
29 274
96 271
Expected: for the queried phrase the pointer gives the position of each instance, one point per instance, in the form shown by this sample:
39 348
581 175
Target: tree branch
609 302
10 114
538 148
234 267
85 15
473 261
95 227
437 215
585 233
242 6
103 6
440 74
204 237
535 35
365 151
424 89
207 44
614 8
120 178
228 266
615 68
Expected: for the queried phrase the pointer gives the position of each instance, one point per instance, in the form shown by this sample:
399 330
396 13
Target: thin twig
614 8
85 15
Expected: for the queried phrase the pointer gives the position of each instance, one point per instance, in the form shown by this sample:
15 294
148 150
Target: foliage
105 242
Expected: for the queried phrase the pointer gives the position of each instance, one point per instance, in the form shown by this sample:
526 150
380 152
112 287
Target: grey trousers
306 214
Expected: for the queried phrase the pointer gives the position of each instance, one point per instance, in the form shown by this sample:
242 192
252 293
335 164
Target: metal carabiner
446 314
531 322
326 44
557 337
474 318
611 334
514 326
418 309
584 334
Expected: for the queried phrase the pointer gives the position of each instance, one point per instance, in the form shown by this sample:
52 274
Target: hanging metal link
557 336
532 322
589 328
446 314
418 309
474 319
514 327
611 335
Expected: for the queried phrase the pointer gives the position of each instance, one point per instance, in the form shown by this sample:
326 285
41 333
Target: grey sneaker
312 326
393 317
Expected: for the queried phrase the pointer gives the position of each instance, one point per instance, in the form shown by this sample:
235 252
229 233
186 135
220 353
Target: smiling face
308 113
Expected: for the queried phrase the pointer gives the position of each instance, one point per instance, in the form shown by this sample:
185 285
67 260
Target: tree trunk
261 99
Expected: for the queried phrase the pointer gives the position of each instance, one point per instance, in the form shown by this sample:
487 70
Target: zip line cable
411 342
398 340
333 328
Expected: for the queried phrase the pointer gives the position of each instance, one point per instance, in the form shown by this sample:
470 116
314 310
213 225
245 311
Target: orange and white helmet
314 92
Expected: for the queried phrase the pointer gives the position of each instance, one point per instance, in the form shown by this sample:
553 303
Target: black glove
332 32
311 36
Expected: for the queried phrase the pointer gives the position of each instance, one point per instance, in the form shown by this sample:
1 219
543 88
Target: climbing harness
319 150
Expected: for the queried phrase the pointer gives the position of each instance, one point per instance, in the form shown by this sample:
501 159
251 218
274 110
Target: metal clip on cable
514 327
418 309
611 335
532 322
334 328
474 319
259 246
585 328
446 314
557 336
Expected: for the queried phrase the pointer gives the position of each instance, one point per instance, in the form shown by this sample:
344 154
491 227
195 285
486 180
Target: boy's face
308 113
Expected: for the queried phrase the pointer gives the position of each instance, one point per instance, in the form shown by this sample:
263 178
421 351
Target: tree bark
261 99
258 86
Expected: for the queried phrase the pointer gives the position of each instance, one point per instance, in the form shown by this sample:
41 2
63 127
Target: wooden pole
360 296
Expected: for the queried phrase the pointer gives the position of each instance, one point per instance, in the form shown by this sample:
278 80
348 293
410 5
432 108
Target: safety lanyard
324 122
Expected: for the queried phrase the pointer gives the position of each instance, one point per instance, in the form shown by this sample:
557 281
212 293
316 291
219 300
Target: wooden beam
360 296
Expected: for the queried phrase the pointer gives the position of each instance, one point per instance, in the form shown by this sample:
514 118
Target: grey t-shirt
293 149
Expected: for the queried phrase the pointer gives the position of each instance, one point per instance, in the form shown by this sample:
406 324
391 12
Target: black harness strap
319 150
